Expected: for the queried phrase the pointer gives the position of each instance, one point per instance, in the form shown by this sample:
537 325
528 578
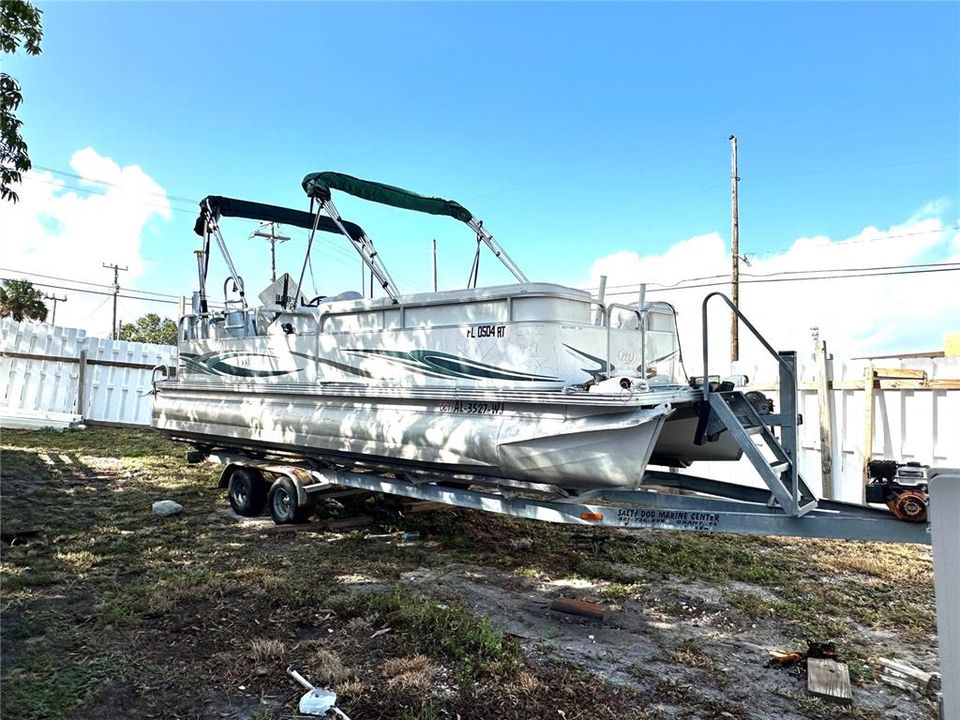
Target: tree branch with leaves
19 28
20 300
150 328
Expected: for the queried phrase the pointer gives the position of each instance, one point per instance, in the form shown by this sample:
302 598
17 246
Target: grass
440 629
43 687
111 609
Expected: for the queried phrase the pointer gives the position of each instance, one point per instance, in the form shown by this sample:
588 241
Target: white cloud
67 227
855 316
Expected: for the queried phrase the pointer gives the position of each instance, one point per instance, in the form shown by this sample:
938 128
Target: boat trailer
711 506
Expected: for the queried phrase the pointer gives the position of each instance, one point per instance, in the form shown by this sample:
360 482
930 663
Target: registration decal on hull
471 408
486 331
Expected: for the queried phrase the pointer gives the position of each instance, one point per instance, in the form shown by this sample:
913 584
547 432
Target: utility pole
53 315
274 239
116 291
734 251
434 264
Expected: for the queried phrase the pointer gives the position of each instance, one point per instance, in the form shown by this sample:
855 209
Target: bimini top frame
207 226
318 187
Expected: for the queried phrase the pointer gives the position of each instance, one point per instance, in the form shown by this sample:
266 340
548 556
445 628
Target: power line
85 282
832 245
676 285
571 176
856 269
99 292
90 191
837 171
810 278
880 238
98 181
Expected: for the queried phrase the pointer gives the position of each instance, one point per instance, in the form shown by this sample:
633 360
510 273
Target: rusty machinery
900 486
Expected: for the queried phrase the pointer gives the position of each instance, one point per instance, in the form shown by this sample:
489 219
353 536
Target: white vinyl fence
58 376
914 415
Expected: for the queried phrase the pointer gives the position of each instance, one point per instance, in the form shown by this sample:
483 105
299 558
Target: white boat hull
570 445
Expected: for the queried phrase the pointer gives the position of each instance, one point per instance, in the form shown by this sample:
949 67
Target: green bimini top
318 185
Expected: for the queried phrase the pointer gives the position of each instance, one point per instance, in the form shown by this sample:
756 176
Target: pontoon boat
528 384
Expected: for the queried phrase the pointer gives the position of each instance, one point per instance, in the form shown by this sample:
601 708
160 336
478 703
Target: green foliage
20 300
151 328
19 26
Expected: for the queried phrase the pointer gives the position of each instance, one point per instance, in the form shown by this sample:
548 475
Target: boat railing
607 314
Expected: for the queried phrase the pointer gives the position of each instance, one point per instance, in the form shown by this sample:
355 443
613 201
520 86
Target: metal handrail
786 373
769 348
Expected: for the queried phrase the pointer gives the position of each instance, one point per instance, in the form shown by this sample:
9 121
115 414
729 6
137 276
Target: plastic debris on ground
316 701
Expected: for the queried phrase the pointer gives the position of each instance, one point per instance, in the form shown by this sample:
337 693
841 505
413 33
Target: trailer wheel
247 491
285 507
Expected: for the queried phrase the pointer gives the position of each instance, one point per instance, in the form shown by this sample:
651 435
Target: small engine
901 486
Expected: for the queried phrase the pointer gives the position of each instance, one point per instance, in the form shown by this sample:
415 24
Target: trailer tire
247 491
285 507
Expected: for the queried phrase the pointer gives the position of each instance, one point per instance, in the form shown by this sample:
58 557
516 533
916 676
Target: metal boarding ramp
776 459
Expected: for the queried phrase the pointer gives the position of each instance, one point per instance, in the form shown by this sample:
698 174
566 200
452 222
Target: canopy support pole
306 257
475 267
215 229
368 253
496 249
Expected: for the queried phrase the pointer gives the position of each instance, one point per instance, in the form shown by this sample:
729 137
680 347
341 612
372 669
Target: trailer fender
228 469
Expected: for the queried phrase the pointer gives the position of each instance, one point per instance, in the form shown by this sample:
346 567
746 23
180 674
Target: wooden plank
580 607
64 359
81 384
902 373
898 670
829 680
39 356
945 384
825 412
348 522
869 381
317 527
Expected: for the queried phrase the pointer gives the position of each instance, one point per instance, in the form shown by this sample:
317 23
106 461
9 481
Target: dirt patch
683 633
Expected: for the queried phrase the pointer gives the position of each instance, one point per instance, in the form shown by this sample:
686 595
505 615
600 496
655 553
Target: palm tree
20 299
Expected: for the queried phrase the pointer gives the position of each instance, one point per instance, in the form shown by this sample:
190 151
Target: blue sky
575 131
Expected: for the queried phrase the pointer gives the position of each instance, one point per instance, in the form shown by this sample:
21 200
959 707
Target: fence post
869 383
825 409
81 385
944 506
